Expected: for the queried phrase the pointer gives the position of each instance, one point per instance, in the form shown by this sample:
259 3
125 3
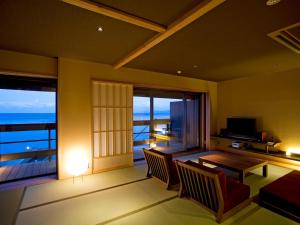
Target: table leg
200 162
265 170
242 176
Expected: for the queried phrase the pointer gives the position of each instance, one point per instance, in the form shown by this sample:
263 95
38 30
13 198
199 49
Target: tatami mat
40 194
182 211
257 181
9 204
98 207
125 196
35 195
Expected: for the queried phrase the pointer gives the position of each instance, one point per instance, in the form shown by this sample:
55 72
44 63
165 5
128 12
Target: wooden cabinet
222 142
257 150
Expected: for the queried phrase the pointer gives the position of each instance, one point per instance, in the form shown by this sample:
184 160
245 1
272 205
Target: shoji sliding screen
112 125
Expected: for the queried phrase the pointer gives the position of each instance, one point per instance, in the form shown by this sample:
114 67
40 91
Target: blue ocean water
157 115
137 136
13 136
26 118
29 118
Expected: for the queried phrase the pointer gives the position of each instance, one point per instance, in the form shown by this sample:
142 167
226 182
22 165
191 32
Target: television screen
241 127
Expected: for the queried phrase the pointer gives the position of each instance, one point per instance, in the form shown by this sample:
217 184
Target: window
27 127
141 125
169 120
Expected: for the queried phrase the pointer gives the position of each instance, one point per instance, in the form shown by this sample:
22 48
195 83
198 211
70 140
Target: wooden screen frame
115 158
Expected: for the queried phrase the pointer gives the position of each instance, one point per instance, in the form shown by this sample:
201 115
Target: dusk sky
19 101
142 104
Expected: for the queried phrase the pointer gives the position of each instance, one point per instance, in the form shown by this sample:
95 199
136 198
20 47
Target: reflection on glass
141 108
168 122
141 132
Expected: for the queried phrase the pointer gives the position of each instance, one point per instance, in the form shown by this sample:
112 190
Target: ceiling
229 42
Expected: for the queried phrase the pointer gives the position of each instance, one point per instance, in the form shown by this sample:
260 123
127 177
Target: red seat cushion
174 175
221 175
236 193
284 193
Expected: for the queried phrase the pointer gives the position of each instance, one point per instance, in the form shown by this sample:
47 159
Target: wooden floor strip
18 171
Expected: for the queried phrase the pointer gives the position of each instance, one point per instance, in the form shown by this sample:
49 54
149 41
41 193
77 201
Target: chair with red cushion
161 166
211 188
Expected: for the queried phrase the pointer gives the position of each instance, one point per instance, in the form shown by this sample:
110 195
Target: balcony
161 135
27 150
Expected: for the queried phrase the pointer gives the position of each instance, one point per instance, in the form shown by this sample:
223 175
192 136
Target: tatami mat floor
123 196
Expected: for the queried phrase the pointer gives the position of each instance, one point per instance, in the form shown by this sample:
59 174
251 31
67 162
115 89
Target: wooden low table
235 162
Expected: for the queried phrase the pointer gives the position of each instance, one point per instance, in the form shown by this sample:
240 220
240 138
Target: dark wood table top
233 161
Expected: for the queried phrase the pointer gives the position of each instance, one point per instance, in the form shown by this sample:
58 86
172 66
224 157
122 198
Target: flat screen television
242 127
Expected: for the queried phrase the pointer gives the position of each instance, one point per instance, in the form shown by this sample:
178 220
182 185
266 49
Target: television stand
240 138
271 153
246 143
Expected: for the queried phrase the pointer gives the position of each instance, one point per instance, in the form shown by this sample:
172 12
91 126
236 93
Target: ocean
14 136
30 118
137 136
23 136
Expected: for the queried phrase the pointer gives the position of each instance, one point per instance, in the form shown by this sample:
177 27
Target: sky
142 104
19 101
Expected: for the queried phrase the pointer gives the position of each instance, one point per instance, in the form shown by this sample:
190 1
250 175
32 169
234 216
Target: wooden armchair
161 166
211 188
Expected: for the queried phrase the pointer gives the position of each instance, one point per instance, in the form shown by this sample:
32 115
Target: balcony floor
123 196
18 171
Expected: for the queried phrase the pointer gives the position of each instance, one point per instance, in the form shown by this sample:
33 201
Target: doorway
166 120
28 137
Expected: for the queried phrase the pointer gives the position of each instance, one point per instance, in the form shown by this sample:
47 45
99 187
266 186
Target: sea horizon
35 118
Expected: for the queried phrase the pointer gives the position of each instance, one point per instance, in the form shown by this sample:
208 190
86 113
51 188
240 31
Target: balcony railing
33 153
156 135
20 162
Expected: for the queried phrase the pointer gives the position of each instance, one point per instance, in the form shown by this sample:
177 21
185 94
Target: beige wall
75 116
26 63
273 99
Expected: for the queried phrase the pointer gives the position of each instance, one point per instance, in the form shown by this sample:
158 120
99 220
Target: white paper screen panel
112 118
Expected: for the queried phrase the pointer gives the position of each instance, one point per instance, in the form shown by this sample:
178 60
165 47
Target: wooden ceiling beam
201 9
116 14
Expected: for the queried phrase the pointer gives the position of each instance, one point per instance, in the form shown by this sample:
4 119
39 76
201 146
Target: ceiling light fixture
272 2
179 71
100 29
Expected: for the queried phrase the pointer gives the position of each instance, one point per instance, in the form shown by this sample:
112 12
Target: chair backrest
158 165
200 185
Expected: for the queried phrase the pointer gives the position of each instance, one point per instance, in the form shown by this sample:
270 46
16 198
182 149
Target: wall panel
274 100
112 124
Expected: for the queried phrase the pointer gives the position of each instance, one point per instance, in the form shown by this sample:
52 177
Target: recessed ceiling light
272 2
179 71
100 29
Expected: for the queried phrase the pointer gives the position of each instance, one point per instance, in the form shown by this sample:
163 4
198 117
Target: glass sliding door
141 125
169 123
168 120
192 122
27 127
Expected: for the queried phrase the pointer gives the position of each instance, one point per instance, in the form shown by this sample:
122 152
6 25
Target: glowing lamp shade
152 145
77 163
293 150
